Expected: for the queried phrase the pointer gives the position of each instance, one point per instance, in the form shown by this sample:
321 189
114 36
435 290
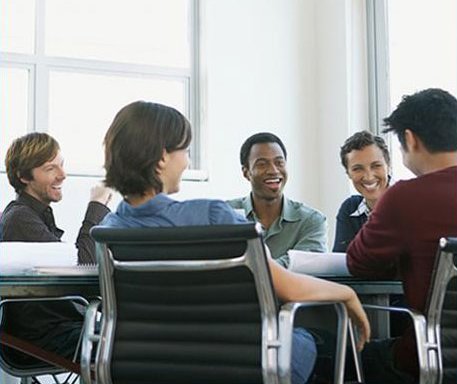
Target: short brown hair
26 153
360 140
134 145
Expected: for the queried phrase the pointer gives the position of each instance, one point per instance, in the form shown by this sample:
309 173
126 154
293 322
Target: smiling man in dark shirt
34 167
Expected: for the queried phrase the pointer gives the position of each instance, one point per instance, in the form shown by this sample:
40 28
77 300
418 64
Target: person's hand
360 320
101 194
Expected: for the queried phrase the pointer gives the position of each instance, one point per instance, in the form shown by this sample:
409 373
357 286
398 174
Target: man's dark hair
26 153
135 142
258 138
430 114
360 140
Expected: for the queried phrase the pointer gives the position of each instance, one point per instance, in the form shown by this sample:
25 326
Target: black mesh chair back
442 313
185 305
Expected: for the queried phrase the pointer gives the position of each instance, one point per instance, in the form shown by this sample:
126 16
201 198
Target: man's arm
291 286
378 245
96 211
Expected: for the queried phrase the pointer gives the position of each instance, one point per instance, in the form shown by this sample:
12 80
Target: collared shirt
361 210
352 214
28 219
161 211
401 238
298 227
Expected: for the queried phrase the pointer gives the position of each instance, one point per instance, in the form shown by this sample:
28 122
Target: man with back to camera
287 224
34 166
401 236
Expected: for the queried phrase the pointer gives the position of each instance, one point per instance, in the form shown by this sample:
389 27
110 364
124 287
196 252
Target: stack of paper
318 264
21 257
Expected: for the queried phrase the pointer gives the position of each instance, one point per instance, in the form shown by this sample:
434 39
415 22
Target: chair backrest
442 313
186 305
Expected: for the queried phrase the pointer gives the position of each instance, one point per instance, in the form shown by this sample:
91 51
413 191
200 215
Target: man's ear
245 171
22 179
411 140
162 163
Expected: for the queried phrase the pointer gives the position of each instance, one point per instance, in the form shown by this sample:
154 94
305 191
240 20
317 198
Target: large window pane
423 53
151 32
13 107
17 26
82 106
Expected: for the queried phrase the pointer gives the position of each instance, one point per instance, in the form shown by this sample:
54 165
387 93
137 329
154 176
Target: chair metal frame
50 365
276 328
427 327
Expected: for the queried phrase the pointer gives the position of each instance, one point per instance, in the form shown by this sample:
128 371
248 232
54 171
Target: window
415 48
68 66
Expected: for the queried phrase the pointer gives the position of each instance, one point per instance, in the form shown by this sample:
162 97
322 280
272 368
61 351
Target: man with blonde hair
34 165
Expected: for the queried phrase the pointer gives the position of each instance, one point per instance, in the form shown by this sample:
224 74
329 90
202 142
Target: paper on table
76 270
17 257
318 264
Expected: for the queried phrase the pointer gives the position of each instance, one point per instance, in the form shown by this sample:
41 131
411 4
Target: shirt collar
362 209
44 212
33 203
288 212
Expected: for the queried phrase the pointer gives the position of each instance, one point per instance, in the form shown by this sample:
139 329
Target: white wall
342 93
292 67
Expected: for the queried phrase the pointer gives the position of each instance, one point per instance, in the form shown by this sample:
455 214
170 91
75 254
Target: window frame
39 66
379 79
378 64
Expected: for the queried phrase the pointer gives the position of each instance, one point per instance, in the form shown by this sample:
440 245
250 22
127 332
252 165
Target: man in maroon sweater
401 236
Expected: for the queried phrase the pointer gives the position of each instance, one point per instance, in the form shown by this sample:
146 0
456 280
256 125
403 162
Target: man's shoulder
238 203
404 191
17 210
18 222
302 211
204 204
212 211
196 207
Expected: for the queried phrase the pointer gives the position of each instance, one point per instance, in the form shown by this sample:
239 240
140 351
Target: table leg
379 320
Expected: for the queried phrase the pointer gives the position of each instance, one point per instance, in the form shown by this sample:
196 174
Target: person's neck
432 162
267 211
137 199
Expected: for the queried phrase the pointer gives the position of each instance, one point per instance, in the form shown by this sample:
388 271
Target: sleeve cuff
96 212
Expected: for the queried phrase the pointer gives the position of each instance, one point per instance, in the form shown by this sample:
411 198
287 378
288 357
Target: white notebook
318 264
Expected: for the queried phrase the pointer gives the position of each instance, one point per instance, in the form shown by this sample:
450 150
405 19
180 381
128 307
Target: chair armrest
90 336
424 346
286 322
78 299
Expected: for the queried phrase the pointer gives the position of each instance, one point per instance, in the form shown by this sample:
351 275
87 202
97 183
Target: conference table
83 281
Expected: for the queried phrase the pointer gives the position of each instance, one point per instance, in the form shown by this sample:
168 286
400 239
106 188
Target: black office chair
190 305
436 330
22 359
